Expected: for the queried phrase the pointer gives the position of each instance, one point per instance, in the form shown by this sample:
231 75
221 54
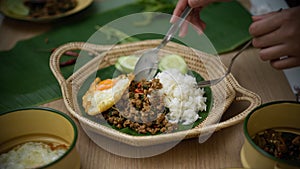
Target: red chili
52 50
138 91
139 85
67 63
71 53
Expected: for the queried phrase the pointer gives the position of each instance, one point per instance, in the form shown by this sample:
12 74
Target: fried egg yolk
105 84
102 95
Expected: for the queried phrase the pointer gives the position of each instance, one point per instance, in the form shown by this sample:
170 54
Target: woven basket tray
106 56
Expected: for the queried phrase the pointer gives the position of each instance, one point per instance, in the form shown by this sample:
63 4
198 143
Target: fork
147 65
216 81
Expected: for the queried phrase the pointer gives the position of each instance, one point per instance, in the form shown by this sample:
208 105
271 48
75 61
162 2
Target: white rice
30 155
182 97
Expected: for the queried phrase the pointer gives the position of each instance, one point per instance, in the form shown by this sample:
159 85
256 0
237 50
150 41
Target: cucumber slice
118 67
17 7
127 63
173 62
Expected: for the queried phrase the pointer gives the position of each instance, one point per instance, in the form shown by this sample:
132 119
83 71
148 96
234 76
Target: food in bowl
40 8
161 105
32 155
280 144
37 130
276 128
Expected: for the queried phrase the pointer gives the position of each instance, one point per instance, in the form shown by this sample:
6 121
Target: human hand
277 34
194 16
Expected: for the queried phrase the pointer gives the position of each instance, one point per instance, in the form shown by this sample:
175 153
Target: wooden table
222 150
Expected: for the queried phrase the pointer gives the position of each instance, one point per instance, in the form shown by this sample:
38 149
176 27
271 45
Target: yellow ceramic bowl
282 115
40 124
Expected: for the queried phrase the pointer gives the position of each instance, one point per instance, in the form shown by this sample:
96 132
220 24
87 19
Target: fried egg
103 94
32 155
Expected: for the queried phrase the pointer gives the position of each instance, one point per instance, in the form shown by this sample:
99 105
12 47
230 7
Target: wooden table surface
221 150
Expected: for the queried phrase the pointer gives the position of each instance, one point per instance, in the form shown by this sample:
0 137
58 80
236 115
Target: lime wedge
17 7
127 63
173 62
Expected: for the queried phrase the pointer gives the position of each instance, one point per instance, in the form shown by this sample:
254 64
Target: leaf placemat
26 78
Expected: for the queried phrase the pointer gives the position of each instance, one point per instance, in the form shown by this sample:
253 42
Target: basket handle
59 52
248 96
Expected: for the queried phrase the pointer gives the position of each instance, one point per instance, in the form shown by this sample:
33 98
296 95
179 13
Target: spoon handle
174 28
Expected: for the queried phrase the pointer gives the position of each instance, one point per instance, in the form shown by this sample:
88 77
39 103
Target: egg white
97 101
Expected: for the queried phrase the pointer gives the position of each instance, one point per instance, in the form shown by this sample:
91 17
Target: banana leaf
110 72
26 79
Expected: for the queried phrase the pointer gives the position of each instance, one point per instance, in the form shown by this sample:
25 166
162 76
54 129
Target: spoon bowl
147 65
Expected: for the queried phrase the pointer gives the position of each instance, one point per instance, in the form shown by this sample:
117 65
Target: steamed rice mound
182 97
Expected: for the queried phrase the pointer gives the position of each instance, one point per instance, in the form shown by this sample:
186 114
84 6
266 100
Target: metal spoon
147 65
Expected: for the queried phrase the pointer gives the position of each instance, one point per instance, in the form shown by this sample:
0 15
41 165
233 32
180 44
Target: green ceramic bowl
282 115
42 125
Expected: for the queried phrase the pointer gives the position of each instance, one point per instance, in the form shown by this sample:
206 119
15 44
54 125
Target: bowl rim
261 151
68 118
81 5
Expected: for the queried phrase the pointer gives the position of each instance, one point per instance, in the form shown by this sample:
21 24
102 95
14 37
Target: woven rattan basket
108 56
